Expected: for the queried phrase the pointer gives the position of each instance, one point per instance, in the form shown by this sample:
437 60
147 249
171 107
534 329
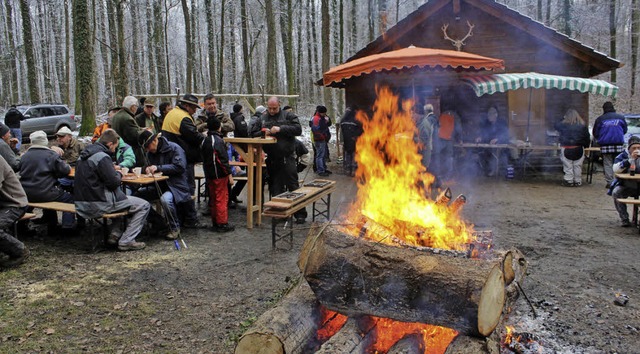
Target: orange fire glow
393 185
330 323
436 339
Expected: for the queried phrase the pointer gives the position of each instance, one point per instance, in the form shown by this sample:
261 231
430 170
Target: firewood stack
356 277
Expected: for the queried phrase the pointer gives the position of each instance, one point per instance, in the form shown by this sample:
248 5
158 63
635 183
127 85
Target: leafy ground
201 299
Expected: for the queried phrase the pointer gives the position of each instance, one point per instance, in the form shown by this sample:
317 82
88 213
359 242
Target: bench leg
276 236
326 211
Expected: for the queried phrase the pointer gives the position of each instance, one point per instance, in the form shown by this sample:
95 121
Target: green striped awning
490 84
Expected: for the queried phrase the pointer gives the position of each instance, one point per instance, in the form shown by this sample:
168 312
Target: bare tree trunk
539 11
300 85
122 87
158 46
195 45
635 32
85 66
613 32
371 19
382 15
326 46
13 67
245 46
547 20
166 43
211 35
151 59
43 44
271 84
316 68
187 34
286 28
354 27
32 81
221 61
233 84
136 80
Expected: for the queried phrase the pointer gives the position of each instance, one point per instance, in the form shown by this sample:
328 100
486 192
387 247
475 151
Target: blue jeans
321 150
68 219
17 133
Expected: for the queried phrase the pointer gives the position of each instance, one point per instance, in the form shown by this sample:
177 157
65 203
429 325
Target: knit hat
3 129
237 108
321 109
260 109
39 138
633 140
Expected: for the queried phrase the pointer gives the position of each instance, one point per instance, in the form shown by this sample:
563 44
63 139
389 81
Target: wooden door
527 105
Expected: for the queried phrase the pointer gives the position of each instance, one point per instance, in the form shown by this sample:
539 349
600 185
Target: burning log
286 328
350 339
354 276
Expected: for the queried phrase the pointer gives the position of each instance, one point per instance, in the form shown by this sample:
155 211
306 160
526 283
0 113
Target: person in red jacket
320 129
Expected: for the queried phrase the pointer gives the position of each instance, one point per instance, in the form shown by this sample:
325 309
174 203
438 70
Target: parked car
633 125
47 117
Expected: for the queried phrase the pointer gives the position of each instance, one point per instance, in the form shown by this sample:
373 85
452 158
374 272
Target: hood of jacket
93 149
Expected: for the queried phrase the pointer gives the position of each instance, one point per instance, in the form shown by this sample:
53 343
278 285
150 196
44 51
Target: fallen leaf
49 331
78 303
31 324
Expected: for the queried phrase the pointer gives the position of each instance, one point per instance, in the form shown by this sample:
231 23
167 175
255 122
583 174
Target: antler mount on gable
458 43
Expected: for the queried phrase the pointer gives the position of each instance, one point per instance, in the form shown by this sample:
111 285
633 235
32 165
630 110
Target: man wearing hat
609 130
255 117
70 146
125 125
98 192
8 148
179 127
320 131
169 159
627 161
40 170
147 119
239 122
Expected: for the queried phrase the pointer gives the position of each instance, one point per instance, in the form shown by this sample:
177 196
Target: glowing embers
521 342
393 185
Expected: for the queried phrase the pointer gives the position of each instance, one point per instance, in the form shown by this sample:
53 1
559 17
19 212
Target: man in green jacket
125 125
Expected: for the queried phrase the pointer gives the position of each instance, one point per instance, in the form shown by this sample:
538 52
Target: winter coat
498 130
289 128
170 159
39 172
125 125
573 134
240 124
351 130
97 184
427 130
12 194
12 118
252 121
179 127
145 121
97 132
9 155
215 158
71 153
124 155
609 129
320 128
223 117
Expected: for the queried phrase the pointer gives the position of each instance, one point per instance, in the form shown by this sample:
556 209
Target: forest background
102 50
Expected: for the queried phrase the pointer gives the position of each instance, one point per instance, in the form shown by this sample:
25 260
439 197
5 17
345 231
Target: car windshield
633 121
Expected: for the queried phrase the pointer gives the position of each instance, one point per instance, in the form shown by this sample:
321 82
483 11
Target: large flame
394 186
388 332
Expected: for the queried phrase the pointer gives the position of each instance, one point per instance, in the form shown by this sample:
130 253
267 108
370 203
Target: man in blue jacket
609 130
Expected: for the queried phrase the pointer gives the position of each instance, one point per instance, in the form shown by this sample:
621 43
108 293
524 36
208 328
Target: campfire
402 272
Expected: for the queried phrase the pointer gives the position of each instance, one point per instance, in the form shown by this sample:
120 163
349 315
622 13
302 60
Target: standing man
179 127
164 108
351 130
609 130
449 131
12 119
320 130
147 119
98 192
427 126
211 110
13 202
125 125
281 160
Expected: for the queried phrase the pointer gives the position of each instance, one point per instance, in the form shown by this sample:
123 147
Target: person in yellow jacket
180 128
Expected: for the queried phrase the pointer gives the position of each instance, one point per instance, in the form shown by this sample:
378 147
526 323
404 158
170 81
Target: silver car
47 117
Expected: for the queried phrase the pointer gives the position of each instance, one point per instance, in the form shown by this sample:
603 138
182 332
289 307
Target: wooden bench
71 208
279 210
26 216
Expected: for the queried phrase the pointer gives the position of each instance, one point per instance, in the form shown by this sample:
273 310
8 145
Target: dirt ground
201 299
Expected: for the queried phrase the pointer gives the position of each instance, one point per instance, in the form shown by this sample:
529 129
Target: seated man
175 196
13 202
625 188
8 148
98 192
40 171
70 146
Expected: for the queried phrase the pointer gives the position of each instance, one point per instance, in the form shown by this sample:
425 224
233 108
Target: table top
627 176
484 145
592 148
131 179
267 140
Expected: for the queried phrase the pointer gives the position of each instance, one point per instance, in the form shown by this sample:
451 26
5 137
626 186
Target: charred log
355 276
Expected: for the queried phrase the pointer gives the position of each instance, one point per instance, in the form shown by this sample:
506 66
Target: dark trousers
283 177
9 244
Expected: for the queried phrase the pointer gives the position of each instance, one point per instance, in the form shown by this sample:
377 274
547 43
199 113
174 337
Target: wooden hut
490 29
